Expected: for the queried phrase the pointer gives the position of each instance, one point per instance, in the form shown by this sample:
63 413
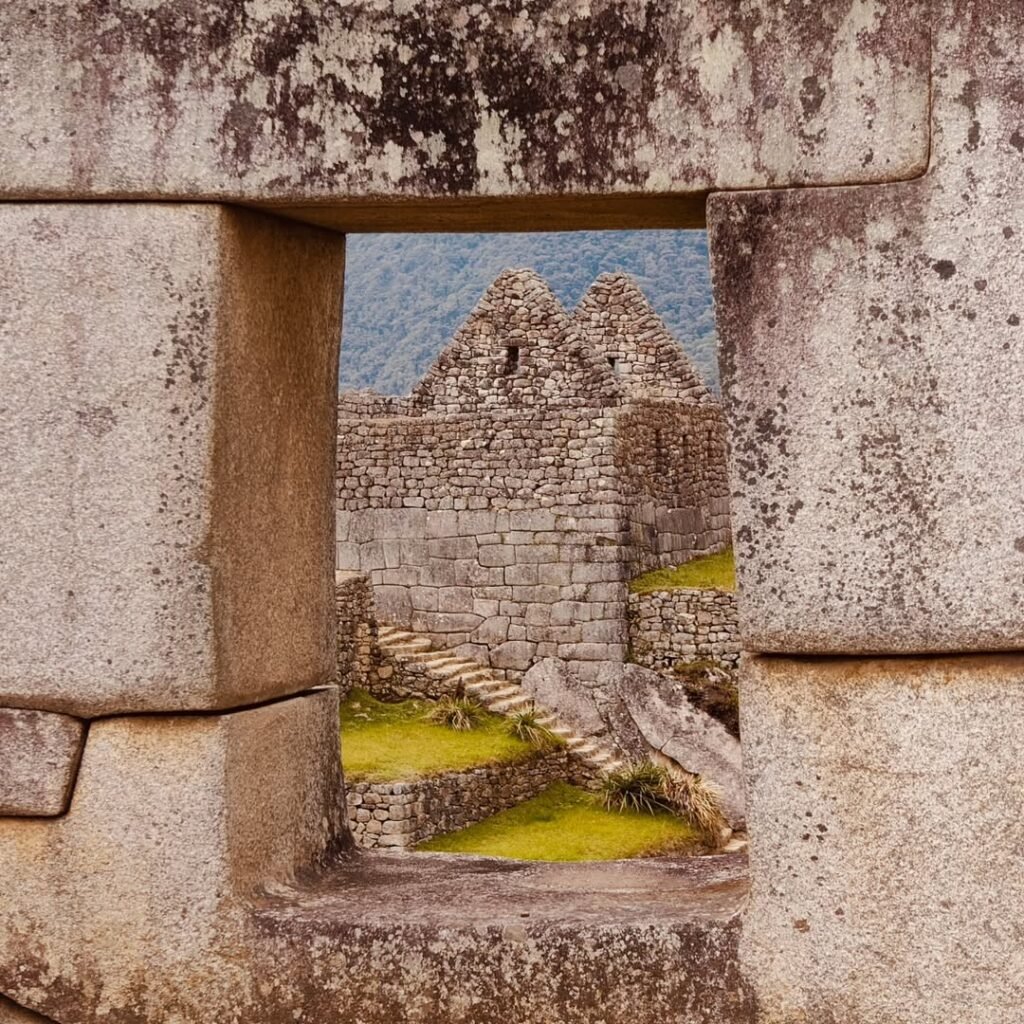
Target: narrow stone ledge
39 755
469 939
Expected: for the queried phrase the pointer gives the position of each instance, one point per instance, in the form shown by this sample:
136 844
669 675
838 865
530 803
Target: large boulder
552 685
652 715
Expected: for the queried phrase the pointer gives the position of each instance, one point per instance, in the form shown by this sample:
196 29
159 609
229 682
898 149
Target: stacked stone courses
683 625
502 507
402 814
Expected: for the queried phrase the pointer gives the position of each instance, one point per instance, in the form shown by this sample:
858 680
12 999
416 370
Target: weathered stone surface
39 755
132 906
672 727
467 940
554 686
365 103
870 357
166 436
886 813
11 1013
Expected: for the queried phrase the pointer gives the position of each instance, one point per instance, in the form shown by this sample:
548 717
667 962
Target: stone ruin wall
512 538
673 469
502 507
683 625
358 654
502 539
401 814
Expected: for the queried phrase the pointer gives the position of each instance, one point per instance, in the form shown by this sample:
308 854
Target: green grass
395 743
710 572
566 823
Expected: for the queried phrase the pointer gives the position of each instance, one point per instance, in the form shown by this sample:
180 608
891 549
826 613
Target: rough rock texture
11 1013
672 728
553 685
39 755
132 905
304 102
685 624
644 714
468 940
402 814
359 657
166 434
871 342
653 716
501 507
886 814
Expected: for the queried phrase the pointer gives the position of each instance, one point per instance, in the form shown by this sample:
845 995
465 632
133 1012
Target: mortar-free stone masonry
544 460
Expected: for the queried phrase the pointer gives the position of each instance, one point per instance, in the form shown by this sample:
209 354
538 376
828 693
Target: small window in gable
613 362
511 359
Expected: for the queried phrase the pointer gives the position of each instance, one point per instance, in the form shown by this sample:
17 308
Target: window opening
486 494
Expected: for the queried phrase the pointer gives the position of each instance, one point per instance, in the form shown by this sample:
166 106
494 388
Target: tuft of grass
698 802
526 726
458 713
638 787
382 742
565 823
648 788
709 572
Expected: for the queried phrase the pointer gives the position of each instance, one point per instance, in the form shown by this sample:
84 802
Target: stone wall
672 468
402 814
358 655
501 537
501 508
686 624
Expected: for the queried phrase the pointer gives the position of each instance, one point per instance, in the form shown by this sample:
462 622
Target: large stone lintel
167 437
342 109
886 815
39 754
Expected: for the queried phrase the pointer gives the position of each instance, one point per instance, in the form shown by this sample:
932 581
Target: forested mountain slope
406 294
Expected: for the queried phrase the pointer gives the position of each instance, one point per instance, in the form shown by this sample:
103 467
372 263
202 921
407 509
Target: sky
405 295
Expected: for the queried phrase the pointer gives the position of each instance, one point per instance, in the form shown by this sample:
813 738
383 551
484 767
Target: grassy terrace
565 823
711 572
393 742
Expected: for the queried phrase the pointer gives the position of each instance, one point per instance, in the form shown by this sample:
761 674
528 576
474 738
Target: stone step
518 703
497 695
488 681
410 643
395 636
503 692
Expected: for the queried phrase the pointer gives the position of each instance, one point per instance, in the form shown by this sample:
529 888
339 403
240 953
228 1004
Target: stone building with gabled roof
620 326
542 461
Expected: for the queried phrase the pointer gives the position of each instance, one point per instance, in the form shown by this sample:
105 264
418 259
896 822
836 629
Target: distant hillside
406 294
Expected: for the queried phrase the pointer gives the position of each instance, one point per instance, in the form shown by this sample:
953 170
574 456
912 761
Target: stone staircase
500 696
